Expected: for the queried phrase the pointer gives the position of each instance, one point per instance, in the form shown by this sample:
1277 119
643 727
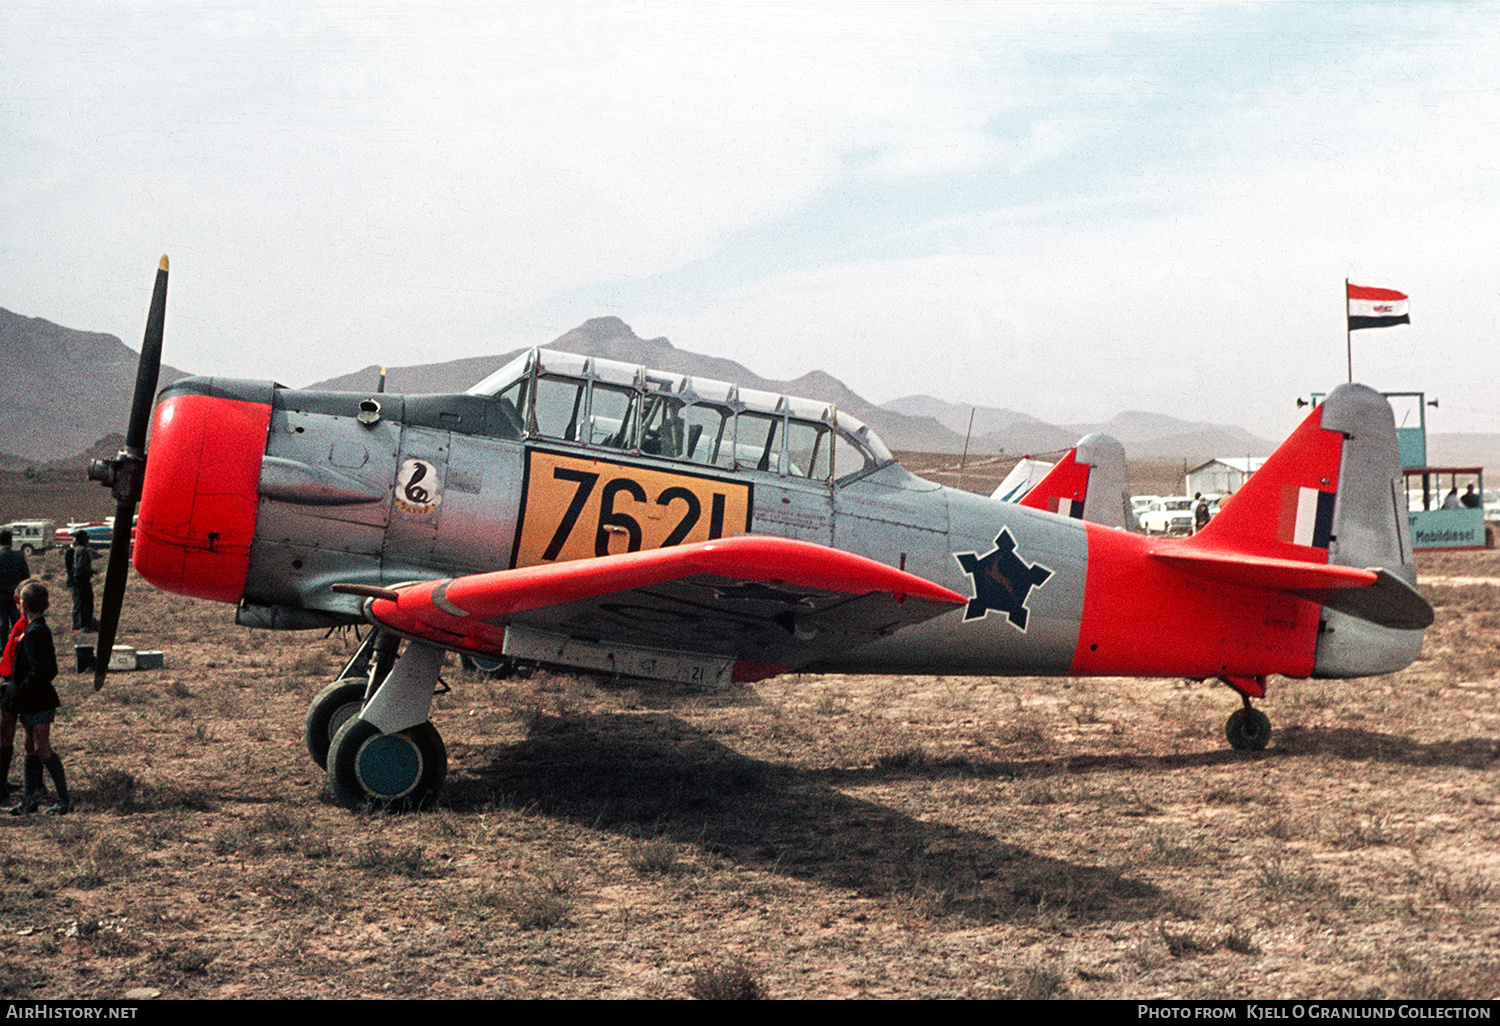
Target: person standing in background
81 579
13 570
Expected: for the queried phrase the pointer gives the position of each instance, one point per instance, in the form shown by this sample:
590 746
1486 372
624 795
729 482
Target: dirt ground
805 837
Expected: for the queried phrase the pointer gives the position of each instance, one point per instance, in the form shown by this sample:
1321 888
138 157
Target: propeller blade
126 474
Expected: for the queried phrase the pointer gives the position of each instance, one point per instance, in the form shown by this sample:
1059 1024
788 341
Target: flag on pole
1376 308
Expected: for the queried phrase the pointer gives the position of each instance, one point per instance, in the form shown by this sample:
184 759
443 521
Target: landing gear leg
359 663
1248 729
340 701
389 755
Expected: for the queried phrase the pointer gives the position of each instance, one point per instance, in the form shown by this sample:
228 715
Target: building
1222 475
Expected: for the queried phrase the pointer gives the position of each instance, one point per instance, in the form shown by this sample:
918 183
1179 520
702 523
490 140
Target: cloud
1077 208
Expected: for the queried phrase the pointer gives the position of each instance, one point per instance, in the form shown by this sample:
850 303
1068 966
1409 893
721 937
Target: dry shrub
115 789
1039 983
656 858
535 908
405 860
913 757
96 861
734 980
1166 852
1184 945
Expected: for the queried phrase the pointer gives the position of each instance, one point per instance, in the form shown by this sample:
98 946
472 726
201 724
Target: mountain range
915 423
62 389
67 389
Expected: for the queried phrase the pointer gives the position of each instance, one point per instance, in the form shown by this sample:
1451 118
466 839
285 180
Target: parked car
28 536
99 533
1140 503
1172 515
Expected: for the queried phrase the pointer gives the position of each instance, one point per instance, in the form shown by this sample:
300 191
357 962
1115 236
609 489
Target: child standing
8 718
35 703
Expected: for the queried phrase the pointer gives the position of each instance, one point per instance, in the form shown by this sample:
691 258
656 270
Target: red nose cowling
199 503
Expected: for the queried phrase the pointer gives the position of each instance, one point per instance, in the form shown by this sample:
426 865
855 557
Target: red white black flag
1376 308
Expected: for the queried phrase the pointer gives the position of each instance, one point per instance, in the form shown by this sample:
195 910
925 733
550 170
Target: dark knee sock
33 774
7 752
59 781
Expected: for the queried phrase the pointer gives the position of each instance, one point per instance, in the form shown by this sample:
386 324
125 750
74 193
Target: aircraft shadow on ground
653 776
1295 742
1349 743
1356 744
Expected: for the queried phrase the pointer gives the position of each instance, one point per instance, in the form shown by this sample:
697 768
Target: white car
28 536
1172 515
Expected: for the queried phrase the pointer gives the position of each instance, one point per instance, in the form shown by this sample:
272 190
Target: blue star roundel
1002 581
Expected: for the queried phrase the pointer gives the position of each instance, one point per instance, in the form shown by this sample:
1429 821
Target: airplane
1022 479
583 513
1089 483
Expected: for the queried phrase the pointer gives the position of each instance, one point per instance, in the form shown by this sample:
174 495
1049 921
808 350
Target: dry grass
844 837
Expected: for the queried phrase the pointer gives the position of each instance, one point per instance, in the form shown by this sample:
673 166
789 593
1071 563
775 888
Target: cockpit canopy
607 404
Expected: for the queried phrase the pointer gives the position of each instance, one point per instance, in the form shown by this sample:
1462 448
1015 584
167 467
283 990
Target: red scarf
8 660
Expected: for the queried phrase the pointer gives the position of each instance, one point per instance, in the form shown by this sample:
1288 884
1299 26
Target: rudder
1333 494
1371 529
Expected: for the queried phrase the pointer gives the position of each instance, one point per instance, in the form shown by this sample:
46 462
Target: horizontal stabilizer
1389 602
1375 595
1267 571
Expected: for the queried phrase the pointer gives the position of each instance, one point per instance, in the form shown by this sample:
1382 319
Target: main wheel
1248 730
27 550
335 705
397 772
495 669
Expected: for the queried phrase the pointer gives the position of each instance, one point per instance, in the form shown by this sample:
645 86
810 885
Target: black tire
1248 730
396 772
494 669
335 705
27 550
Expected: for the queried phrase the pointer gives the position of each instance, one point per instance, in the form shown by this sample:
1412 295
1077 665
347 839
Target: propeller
124 475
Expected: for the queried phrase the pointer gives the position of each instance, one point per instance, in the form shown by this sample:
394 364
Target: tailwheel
335 705
396 772
1248 729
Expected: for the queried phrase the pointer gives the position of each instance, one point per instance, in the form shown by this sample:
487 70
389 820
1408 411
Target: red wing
756 599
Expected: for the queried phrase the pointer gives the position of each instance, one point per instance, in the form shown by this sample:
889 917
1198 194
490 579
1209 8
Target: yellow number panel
574 508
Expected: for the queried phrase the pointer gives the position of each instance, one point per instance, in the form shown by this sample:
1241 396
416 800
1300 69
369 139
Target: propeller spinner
124 475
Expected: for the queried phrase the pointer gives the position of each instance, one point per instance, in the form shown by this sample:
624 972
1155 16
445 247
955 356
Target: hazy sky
1068 209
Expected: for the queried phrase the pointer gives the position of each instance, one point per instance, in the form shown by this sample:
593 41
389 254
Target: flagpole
1349 342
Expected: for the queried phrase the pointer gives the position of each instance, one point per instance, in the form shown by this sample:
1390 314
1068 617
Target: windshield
508 374
614 405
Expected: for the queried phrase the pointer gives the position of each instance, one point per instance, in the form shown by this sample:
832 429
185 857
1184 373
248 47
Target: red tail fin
1286 508
1064 488
1324 518
1089 483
